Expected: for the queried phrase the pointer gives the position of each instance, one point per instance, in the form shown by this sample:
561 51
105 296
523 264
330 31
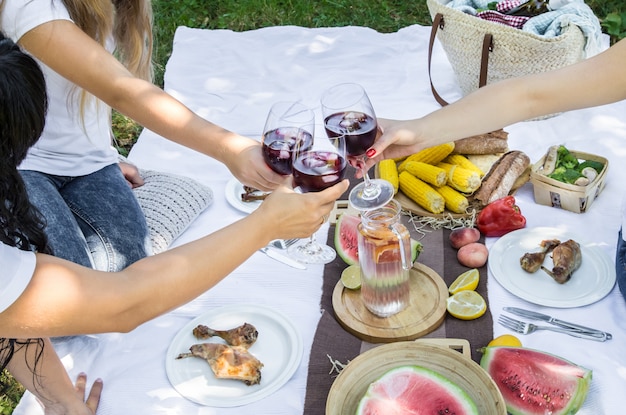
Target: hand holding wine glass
315 168
348 112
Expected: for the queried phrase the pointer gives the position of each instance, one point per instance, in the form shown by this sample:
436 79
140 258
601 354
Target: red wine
278 146
358 128
316 170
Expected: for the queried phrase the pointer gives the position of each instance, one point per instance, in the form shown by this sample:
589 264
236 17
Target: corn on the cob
431 155
455 201
388 170
463 180
427 172
461 160
421 193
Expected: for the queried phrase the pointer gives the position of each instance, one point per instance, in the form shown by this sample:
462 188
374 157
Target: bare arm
66 49
51 384
592 82
66 299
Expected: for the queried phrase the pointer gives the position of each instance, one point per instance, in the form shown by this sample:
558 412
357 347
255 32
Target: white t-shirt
68 145
17 270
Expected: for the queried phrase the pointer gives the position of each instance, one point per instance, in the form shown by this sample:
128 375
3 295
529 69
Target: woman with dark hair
43 296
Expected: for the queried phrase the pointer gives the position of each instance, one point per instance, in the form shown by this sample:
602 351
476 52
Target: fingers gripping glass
315 168
348 112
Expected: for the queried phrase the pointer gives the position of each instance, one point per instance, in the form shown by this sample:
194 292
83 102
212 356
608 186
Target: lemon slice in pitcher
464 282
466 305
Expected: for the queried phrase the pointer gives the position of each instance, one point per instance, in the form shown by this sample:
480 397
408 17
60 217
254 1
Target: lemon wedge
466 305
351 277
505 340
464 282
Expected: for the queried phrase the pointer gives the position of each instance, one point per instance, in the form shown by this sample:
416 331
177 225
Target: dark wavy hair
23 105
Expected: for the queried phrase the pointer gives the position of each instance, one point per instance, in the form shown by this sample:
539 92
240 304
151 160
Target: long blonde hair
130 23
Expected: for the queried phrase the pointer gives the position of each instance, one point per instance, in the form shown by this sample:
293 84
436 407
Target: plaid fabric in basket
499 15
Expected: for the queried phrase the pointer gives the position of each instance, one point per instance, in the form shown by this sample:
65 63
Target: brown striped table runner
332 340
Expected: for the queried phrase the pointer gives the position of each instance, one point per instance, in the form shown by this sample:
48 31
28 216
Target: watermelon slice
346 240
536 383
415 390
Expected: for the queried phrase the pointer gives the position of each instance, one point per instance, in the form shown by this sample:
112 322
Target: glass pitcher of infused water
385 260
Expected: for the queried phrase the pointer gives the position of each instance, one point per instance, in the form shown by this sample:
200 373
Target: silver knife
282 258
538 316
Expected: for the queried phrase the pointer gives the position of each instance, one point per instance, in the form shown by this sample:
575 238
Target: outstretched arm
592 82
65 48
66 299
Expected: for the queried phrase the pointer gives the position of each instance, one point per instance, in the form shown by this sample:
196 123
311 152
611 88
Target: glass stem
370 190
312 245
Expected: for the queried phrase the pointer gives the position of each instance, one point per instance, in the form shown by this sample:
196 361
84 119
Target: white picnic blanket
232 79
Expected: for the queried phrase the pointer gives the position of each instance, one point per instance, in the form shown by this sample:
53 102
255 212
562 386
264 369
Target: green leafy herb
569 168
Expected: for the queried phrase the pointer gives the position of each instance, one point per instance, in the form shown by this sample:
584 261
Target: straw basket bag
482 52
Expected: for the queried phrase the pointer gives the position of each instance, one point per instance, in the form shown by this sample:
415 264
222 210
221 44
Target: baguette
490 143
508 173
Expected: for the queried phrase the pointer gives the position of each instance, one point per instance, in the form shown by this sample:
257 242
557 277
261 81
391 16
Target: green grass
384 16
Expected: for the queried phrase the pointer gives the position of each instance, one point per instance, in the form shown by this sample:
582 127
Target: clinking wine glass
315 168
348 112
287 123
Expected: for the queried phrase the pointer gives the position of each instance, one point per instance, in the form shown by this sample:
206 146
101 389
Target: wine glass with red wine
348 112
315 168
287 123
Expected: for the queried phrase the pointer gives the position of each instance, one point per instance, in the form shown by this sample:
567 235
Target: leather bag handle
439 23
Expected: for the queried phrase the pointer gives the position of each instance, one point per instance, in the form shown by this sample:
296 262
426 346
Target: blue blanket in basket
550 24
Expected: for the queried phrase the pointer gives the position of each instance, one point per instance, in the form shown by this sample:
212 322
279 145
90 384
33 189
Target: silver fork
523 327
284 243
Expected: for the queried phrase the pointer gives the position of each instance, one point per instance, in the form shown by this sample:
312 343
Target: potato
463 236
473 255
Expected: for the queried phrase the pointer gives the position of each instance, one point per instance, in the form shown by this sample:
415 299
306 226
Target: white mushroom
582 181
590 173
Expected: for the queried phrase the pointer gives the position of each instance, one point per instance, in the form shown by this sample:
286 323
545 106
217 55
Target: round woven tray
353 381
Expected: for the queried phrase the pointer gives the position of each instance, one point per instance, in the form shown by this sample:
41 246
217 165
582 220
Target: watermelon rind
429 383
534 371
346 240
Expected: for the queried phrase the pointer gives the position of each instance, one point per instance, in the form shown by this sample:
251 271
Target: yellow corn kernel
461 160
421 193
463 180
455 201
427 172
388 170
431 155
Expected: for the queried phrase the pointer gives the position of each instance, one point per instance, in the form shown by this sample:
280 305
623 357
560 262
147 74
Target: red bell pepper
500 217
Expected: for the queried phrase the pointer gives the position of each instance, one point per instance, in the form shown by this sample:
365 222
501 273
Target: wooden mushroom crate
578 199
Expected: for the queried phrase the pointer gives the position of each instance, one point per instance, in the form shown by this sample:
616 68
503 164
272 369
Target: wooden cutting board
425 312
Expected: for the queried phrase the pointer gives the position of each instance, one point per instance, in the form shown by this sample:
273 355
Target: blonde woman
72 174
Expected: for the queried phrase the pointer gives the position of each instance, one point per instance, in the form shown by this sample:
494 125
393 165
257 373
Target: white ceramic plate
591 282
278 347
234 190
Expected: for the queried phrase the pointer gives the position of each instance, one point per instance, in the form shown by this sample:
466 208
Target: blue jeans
620 264
93 220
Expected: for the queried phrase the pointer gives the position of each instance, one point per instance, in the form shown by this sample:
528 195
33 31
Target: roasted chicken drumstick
532 261
566 258
228 362
244 335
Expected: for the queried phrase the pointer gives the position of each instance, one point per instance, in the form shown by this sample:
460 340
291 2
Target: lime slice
351 277
466 305
466 281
